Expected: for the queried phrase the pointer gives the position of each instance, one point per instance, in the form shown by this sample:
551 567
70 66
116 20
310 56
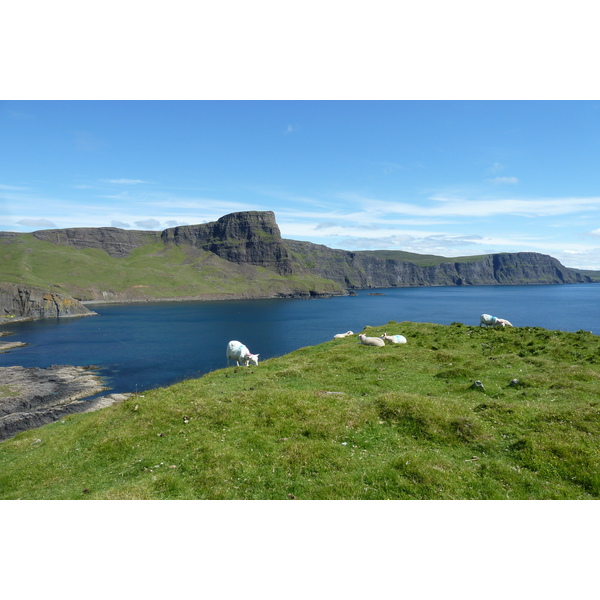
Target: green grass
343 421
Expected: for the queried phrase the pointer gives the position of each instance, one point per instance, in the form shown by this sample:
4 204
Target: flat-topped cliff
249 237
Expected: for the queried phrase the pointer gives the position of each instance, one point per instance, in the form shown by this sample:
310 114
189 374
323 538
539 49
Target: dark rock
246 237
32 397
18 302
364 270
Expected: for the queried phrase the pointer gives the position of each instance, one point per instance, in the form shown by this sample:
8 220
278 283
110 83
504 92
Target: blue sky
451 178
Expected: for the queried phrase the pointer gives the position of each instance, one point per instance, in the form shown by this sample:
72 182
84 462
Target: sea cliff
241 255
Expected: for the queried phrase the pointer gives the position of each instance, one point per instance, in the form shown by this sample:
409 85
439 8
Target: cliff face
249 237
114 241
24 302
362 270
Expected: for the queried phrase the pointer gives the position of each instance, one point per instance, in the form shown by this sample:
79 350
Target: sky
444 177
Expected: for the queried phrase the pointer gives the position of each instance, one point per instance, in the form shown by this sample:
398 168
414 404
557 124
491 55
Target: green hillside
343 421
152 271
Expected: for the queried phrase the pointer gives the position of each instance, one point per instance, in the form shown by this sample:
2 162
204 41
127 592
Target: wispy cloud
148 224
501 180
126 181
441 206
120 224
41 223
13 188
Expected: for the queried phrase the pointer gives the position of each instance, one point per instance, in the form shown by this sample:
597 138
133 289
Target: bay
143 346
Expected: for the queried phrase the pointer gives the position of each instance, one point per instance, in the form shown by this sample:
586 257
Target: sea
137 347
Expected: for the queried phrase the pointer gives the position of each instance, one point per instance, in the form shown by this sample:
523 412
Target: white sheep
370 341
239 353
337 336
489 321
393 339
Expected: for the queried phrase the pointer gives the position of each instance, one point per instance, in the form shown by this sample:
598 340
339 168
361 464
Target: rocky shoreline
32 397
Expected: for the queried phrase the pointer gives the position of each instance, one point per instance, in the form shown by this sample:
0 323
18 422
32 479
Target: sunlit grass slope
343 421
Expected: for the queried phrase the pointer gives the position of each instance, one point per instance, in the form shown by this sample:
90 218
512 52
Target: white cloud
13 188
325 225
596 232
501 180
460 207
126 181
41 223
148 223
120 224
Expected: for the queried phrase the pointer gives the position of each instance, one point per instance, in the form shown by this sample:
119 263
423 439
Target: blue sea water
142 346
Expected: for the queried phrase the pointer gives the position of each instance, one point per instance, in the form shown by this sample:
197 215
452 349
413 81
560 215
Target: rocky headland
32 397
22 302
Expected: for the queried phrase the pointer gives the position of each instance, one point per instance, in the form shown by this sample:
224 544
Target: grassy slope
153 271
343 421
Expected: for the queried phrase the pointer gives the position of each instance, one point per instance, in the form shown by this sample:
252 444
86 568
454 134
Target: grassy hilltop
343 421
152 271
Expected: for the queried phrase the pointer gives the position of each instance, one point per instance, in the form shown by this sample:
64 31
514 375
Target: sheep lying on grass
393 339
337 336
370 341
239 353
490 321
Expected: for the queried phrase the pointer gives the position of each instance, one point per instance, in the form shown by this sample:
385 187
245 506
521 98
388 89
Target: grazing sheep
337 336
239 353
393 339
489 321
370 341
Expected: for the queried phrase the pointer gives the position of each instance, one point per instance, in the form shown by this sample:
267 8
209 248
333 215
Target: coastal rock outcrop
32 397
18 302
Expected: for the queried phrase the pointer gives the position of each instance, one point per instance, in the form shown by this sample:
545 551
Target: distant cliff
241 255
364 270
